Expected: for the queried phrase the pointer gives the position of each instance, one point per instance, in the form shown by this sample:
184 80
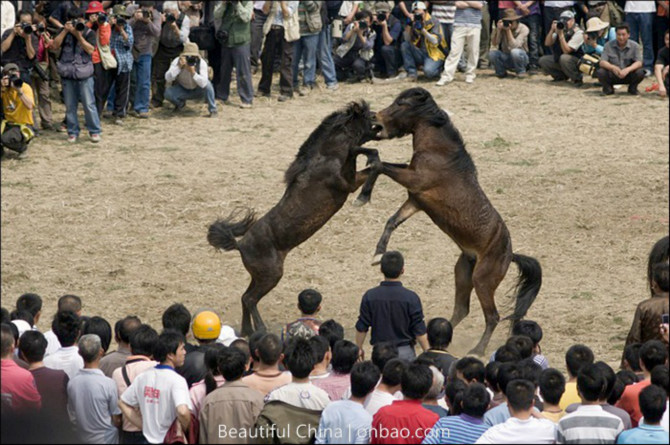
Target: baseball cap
10 67
419 5
567 15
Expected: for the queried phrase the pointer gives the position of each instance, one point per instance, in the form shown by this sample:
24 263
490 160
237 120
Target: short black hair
299 358
362 15
232 363
658 254
177 317
523 344
332 330
7 339
507 353
439 333
530 329
22 315
75 13
631 353
253 344
623 25
33 345
392 264
393 371
416 381
69 302
382 352
242 345
492 375
577 357
652 403
143 340
530 371
124 328
661 275
67 327
364 378
653 353
660 377
269 349
24 12
520 394
627 376
100 327
471 368
552 385
320 347
4 316
617 391
168 343
590 382
212 364
506 373
454 392
610 379
309 301
29 302
345 355
476 400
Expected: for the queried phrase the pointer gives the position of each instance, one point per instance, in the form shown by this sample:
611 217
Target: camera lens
418 17
27 28
41 28
102 18
381 16
80 26
16 81
120 21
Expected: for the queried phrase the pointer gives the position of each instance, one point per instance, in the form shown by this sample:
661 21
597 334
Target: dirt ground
580 180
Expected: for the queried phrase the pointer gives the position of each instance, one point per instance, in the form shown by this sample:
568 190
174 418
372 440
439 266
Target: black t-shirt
663 57
17 50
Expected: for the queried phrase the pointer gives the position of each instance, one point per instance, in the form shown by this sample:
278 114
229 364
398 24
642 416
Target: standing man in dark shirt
393 312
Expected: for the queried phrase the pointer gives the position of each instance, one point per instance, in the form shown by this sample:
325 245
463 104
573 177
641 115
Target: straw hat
190 49
595 24
511 15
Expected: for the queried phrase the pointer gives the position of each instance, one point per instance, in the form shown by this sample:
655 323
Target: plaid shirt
123 50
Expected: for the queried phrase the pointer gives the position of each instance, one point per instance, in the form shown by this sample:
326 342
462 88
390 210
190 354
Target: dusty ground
581 181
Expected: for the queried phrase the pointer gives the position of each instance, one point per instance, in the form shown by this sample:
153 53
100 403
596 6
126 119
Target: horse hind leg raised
405 211
463 280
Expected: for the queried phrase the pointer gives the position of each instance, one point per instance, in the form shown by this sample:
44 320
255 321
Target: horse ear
356 108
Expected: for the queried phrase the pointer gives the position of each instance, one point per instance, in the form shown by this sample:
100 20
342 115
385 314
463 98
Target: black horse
318 183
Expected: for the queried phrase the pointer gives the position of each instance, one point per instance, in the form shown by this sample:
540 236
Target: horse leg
463 277
247 328
370 179
408 209
269 274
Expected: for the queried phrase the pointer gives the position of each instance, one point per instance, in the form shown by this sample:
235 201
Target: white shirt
514 430
53 344
197 80
344 421
158 392
302 395
640 6
378 399
66 359
558 4
8 16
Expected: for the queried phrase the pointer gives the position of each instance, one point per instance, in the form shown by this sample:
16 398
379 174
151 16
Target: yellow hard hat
206 325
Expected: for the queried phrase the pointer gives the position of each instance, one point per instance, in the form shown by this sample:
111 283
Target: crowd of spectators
129 57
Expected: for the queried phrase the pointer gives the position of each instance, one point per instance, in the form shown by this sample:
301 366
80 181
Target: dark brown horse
318 183
441 180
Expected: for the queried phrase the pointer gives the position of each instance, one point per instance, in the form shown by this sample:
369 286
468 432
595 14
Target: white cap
227 335
22 326
419 5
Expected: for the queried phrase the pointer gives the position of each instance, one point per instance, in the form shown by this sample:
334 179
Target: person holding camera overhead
75 67
353 56
20 44
565 39
146 25
511 39
121 44
17 106
96 20
188 74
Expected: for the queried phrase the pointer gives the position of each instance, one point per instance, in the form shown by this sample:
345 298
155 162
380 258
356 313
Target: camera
120 21
41 28
665 318
418 17
146 14
593 35
381 17
80 26
27 28
362 25
170 18
192 60
222 36
507 23
102 18
15 80
561 24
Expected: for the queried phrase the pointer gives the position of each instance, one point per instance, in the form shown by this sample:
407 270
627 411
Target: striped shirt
456 429
469 17
444 13
589 424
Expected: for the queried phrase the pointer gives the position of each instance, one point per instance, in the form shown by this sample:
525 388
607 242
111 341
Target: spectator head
610 380
69 302
243 346
345 355
300 358
627 377
552 386
470 370
507 353
232 363
631 357
416 381
7 343
454 393
530 371
660 281
177 317
652 354
438 384
659 254
577 357
171 7
652 404
590 383
124 328
269 349
206 326
523 344
90 348
212 365
32 346
568 18
520 395
169 349
31 303
476 400
492 376
393 371
622 33
100 327
439 333
142 340
25 16
309 301
253 344
617 392
507 373
364 379
419 7
333 331
5 316
321 350
510 19
530 329
659 377
392 265
67 327
364 15
382 352
147 4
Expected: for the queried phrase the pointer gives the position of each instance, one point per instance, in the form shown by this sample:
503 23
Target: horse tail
222 232
530 281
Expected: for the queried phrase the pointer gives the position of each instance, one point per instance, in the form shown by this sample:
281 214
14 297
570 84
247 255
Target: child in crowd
309 304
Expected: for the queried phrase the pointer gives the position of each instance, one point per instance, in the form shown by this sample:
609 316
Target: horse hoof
377 259
476 353
360 202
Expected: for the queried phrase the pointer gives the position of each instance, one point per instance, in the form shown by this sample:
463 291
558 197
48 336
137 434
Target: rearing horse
318 183
441 180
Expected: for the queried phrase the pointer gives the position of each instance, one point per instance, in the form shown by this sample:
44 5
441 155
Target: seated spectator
511 37
552 387
18 385
621 63
188 75
627 376
589 423
506 373
661 67
630 361
440 333
323 357
435 391
346 421
17 105
423 45
213 379
470 370
31 303
660 378
234 405
648 313
66 326
206 329
383 352
531 371
507 353
92 397
576 358
407 415
65 303
466 36
309 305
453 396
123 329
266 375
177 317
653 402
617 392
353 57
533 331
565 39
492 384
385 392
388 29
100 327
523 344
522 426
344 357
333 331
20 47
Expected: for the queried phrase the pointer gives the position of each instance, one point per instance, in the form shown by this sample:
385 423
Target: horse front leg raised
408 209
366 192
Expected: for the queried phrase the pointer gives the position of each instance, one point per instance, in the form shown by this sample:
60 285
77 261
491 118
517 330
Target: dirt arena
580 180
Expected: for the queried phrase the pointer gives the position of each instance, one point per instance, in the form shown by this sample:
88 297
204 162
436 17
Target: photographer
146 25
96 20
353 56
511 39
20 44
424 45
597 34
233 26
40 79
188 75
17 106
566 39
174 33
75 67
621 63
121 44
387 58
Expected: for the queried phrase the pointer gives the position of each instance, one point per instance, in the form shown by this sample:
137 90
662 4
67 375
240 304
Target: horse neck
428 137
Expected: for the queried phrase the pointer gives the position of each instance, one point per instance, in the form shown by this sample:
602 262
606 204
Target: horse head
355 123
412 107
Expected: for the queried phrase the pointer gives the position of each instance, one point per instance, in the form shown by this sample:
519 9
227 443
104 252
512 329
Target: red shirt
630 401
18 387
403 421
